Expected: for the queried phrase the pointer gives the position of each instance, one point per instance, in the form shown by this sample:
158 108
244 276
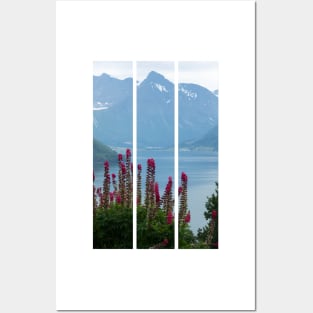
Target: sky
201 73
164 68
120 70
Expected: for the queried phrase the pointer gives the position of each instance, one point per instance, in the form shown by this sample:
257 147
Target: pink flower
113 176
184 177
118 199
180 190
120 157
139 167
151 163
106 165
157 193
214 214
128 153
123 168
111 196
170 217
168 187
187 217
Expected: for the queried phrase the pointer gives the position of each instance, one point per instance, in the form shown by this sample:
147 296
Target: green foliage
103 153
186 237
211 207
212 204
155 232
113 228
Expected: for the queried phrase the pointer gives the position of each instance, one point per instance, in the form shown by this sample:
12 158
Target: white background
156 31
284 184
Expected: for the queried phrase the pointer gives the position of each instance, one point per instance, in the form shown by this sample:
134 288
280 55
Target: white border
222 279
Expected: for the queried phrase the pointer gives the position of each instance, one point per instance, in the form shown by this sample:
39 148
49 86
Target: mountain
198 111
155 112
108 90
209 140
102 153
113 110
112 105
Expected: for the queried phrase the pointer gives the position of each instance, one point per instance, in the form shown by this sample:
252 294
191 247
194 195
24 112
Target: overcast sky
164 68
118 70
202 73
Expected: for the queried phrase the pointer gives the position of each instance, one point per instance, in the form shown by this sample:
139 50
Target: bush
157 234
113 228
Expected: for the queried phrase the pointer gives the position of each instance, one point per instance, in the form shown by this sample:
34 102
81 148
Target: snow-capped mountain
198 111
155 112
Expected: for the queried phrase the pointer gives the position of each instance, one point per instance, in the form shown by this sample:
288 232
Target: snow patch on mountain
102 106
188 93
160 87
100 109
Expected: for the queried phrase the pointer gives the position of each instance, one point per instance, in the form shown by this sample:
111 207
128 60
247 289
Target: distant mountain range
112 108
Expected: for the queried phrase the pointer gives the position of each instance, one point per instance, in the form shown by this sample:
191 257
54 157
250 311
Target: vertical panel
155 155
198 155
176 156
112 155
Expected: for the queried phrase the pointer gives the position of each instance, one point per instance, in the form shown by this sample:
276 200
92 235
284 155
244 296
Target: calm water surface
201 168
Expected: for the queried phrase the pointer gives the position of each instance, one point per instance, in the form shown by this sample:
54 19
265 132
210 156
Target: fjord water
201 168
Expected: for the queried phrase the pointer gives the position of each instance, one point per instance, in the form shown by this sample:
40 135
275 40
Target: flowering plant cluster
113 213
155 219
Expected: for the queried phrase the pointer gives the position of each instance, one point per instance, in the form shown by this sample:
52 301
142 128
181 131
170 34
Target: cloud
201 73
120 70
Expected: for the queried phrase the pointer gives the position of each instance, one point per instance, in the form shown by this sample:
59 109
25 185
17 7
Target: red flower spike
151 163
139 167
106 165
157 193
113 176
128 153
118 199
120 157
170 217
214 214
123 167
187 217
165 242
111 196
184 177
180 190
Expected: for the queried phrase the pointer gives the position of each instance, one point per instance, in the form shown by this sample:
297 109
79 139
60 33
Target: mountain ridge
198 111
